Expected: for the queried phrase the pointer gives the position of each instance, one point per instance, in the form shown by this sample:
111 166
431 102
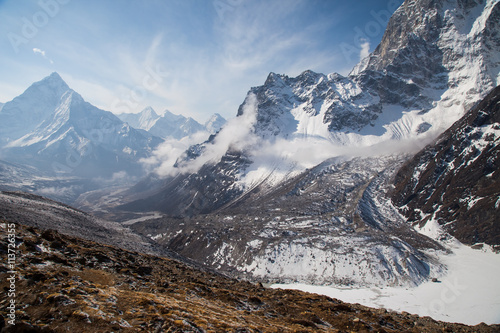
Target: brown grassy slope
70 284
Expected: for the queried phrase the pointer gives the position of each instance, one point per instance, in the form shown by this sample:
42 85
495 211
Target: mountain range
51 127
408 91
324 179
393 96
63 146
308 178
169 125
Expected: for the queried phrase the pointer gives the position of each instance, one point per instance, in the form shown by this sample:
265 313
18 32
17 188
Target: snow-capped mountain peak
52 127
142 120
54 80
215 123
148 118
25 112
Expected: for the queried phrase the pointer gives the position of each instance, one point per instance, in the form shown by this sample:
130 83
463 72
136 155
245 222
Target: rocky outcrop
456 181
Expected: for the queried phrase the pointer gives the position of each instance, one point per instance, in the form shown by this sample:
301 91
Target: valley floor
469 293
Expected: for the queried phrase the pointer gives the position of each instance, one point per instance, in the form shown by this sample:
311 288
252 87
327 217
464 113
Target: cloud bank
236 134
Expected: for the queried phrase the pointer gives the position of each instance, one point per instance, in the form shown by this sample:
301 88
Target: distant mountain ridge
142 120
170 125
51 127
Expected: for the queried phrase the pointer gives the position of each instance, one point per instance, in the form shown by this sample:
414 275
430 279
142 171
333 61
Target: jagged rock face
428 49
457 180
408 31
311 105
407 59
435 45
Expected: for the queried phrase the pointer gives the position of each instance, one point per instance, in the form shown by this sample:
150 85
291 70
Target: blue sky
191 57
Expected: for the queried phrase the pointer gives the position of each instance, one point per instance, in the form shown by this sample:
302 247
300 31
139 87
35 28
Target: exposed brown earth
65 283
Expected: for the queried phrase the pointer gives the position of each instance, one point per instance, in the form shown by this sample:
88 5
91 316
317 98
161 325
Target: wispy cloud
236 134
365 50
42 53
256 36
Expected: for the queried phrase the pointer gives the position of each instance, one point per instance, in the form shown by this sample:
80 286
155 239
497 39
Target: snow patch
468 293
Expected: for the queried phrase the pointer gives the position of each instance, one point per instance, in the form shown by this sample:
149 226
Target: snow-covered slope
51 127
468 293
142 120
25 112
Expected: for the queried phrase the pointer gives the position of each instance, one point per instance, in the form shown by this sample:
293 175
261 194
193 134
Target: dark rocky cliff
456 181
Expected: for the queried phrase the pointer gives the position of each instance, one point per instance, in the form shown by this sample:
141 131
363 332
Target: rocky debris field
65 283
332 224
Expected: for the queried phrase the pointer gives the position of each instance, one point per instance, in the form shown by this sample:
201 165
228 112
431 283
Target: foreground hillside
66 283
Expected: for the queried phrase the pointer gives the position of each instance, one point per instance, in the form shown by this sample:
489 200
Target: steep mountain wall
456 181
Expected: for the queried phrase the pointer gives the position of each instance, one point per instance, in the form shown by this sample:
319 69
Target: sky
192 57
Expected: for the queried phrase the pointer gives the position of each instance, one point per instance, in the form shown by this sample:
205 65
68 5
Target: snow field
468 293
